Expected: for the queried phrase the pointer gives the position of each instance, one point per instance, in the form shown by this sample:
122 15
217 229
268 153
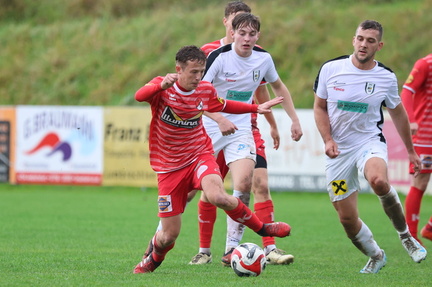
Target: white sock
394 210
269 248
365 243
205 250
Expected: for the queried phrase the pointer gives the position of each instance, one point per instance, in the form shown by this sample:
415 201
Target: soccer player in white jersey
236 70
350 92
263 203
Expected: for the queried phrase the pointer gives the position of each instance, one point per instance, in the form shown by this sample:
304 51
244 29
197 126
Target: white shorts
236 146
342 172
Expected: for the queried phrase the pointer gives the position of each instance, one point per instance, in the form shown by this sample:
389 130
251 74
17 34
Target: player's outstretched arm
266 107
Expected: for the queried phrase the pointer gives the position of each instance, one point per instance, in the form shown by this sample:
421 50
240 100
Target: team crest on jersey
339 187
199 104
170 117
256 75
369 88
164 203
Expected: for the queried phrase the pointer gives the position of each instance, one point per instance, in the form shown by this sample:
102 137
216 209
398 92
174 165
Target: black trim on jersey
315 86
215 53
380 123
385 67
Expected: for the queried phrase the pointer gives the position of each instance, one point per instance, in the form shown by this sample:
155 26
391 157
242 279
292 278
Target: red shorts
425 154
260 152
175 186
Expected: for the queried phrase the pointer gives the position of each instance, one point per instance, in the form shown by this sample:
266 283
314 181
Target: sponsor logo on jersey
426 160
256 75
171 118
339 187
238 96
352 106
369 88
164 203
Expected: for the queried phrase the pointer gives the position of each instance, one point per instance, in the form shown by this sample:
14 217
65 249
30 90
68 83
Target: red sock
244 215
158 253
206 220
265 212
412 209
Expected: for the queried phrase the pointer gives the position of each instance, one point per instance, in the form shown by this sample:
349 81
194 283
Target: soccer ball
248 259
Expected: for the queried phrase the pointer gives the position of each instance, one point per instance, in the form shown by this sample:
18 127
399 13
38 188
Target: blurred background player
417 99
181 152
228 133
350 92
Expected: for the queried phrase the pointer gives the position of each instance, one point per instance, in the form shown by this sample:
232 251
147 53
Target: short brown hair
190 53
246 19
373 25
236 6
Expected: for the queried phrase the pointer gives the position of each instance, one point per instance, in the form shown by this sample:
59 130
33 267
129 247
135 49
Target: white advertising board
59 145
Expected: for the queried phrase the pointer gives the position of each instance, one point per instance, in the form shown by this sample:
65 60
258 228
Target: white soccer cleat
413 247
201 258
374 265
279 257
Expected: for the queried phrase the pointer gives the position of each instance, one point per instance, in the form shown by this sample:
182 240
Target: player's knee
221 201
379 184
260 189
348 222
167 238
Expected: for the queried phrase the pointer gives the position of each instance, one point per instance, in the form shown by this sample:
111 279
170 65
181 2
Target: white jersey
355 99
237 78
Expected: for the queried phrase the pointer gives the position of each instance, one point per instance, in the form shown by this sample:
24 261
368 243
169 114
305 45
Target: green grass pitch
94 236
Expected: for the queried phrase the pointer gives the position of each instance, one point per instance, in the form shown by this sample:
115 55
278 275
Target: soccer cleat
147 265
201 258
226 258
275 229
414 249
425 233
279 257
375 265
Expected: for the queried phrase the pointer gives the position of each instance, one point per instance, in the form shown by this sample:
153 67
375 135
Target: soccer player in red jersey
263 204
181 152
417 98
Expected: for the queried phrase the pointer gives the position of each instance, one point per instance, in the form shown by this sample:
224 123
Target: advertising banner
296 166
59 145
126 150
7 144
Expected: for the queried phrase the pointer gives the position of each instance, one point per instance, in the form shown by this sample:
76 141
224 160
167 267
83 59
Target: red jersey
210 47
177 135
417 98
